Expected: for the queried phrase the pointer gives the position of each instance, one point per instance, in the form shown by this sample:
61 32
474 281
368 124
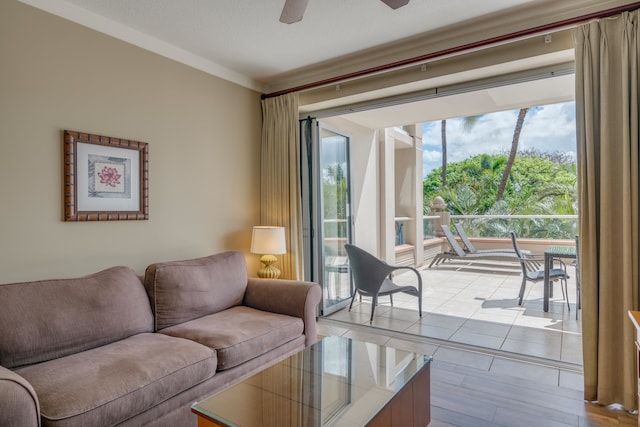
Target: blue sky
546 128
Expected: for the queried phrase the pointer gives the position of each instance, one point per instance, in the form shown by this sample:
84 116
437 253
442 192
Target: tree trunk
512 154
443 131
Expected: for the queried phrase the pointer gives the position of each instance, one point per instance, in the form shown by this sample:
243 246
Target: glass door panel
335 218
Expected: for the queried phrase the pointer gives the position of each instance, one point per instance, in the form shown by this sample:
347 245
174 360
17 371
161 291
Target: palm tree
467 124
512 153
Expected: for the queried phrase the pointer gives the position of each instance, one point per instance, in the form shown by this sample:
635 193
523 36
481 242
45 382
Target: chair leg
434 261
373 307
566 293
522 286
420 305
391 298
353 297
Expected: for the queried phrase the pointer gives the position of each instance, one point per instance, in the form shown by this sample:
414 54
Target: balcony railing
429 224
488 231
550 227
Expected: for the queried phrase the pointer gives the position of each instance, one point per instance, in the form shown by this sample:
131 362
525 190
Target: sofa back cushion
49 319
180 291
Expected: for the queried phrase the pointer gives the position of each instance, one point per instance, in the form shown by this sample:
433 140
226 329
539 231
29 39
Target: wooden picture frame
105 178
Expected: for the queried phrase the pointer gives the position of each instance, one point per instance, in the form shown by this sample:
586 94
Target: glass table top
334 382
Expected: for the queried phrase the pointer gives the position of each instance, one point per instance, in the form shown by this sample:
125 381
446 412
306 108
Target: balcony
476 304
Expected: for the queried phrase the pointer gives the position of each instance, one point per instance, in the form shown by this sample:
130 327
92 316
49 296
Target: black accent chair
372 278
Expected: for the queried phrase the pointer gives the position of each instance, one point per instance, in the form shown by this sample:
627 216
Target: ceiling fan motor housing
293 10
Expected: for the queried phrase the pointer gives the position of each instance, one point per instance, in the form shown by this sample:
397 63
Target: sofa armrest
291 297
20 406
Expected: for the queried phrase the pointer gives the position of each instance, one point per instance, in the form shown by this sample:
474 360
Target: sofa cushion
240 333
53 318
109 384
180 291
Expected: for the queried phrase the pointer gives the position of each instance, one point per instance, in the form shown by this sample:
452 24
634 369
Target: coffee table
334 382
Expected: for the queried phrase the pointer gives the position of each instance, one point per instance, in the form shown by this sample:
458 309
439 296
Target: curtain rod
459 49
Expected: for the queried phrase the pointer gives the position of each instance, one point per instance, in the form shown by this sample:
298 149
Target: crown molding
116 30
510 21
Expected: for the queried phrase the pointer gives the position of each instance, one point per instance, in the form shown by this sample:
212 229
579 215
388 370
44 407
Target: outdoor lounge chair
532 263
471 249
457 253
372 278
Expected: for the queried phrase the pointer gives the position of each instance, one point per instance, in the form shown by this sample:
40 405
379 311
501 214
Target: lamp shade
267 240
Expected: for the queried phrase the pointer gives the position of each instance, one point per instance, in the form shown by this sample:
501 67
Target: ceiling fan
293 10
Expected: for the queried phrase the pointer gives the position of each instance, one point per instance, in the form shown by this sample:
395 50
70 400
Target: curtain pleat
607 132
280 199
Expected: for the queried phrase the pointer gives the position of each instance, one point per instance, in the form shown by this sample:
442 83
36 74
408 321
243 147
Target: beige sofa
106 349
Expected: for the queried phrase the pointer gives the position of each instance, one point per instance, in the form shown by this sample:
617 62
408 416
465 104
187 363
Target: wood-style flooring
462 396
472 388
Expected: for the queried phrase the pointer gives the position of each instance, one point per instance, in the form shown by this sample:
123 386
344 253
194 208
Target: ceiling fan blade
395 4
293 11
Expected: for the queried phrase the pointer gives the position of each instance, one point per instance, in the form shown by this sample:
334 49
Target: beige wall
203 135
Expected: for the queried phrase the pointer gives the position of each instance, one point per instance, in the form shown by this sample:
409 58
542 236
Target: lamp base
269 271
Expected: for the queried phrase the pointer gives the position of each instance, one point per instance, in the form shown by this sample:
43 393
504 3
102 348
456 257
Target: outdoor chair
471 249
555 274
372 278
457 253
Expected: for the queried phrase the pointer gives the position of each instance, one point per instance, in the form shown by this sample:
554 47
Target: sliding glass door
327 202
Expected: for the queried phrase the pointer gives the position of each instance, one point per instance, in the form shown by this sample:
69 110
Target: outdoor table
554 251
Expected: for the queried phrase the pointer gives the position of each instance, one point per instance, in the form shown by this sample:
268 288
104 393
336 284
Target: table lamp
268 241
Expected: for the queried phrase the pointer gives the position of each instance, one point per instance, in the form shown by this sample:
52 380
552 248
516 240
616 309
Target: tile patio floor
475 307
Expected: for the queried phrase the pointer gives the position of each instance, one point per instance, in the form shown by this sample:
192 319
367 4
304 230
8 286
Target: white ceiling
243 41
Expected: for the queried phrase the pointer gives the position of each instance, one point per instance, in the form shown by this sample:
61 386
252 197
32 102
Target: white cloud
432 156
546 128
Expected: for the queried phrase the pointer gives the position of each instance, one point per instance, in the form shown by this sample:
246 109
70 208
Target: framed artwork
105 178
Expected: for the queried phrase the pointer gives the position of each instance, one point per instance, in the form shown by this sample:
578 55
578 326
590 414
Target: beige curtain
607 123
280 202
